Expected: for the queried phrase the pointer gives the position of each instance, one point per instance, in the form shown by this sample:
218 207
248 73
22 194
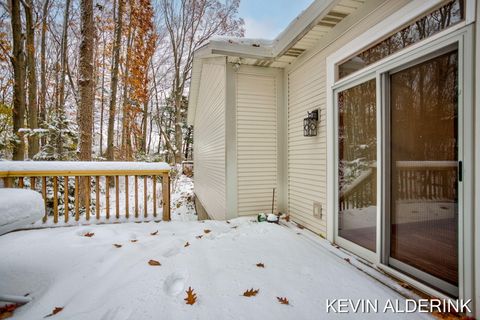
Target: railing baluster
97 197
154 182
166 196
77 204
107 196
136 196
65 198
20 182
117 199
145 196
33 181
44 193
87 200
126 197
55 200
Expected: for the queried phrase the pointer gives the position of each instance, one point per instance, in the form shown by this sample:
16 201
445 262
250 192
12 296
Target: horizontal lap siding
306 155
256 142
209 152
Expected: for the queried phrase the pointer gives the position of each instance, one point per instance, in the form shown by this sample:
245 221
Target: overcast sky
267 18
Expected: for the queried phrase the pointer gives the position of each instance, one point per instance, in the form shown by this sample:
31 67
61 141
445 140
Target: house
362 118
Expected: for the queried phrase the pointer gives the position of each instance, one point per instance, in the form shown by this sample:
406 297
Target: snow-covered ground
91 278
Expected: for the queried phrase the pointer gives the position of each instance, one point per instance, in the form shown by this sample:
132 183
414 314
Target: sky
265 19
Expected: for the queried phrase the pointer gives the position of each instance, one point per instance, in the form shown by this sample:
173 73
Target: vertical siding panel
209 151
256 99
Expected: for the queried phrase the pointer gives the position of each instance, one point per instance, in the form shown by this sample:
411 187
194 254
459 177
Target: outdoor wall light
310 124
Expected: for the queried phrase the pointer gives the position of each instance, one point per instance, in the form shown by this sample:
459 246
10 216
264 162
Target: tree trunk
33 146
60 112
126 124
18 63
43 69
114 81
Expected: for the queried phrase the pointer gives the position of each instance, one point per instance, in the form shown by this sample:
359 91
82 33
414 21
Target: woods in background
102 79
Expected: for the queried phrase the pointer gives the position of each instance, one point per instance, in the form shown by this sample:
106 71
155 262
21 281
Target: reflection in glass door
357 166
423 171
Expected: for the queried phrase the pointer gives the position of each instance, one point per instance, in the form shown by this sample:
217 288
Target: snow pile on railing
19 208
111 166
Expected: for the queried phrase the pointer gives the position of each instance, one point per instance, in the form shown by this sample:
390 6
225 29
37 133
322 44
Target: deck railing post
166 196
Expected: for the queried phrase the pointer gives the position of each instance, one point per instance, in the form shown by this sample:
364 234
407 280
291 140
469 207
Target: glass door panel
357 159
423 169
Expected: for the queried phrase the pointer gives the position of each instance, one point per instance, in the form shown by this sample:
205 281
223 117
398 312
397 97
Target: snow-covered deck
91 278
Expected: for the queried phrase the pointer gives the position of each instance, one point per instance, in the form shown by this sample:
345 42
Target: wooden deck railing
48 177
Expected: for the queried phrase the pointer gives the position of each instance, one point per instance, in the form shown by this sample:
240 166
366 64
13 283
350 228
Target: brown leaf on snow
199 237
287 218
283 300
300 226
7 311
154 263
251 293
207 230
260 265
54 312
154 233
135 240
228 222
347 259
117 245
186 244
191 296
89 234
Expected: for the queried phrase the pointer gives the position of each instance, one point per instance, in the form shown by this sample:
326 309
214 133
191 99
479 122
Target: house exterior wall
209 152
257 152
306 85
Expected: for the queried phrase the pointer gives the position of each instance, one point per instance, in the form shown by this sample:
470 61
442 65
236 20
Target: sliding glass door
424 169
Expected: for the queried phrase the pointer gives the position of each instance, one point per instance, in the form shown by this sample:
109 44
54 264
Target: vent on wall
317 210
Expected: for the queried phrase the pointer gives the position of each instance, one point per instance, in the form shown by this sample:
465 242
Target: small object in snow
228 222
261 217
251 293
117 245
260 265
283 300
154 233
135 240
89 234
54 312
347 259
154 263
272 217
234 227
207 231
191 296
199 237
7 311
186 244
300 226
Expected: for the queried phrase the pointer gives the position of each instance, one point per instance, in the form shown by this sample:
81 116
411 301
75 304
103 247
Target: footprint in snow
174 284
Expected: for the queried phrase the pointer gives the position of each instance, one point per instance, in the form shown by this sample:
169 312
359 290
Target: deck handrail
14 174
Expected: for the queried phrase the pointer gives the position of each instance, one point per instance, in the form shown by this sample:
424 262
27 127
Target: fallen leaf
300 226
191 296
154 233
234 227
54 312
89 234
207 231
154 263
287 218
251 293
283 300
228 222
135 240
7 311
260 265
199 237
186 244
347 259
117 245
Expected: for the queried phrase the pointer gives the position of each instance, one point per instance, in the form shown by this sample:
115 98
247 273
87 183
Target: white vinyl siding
256 100
209 129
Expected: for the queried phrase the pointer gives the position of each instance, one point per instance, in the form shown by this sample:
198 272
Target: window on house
446 16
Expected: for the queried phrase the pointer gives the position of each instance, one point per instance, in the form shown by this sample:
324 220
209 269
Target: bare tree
114 81
33 145
43 66
18 63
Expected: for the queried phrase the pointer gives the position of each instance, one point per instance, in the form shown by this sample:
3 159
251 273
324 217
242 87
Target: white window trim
385 27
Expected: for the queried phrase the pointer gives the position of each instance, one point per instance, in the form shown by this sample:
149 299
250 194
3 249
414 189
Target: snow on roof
254 42
47 166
